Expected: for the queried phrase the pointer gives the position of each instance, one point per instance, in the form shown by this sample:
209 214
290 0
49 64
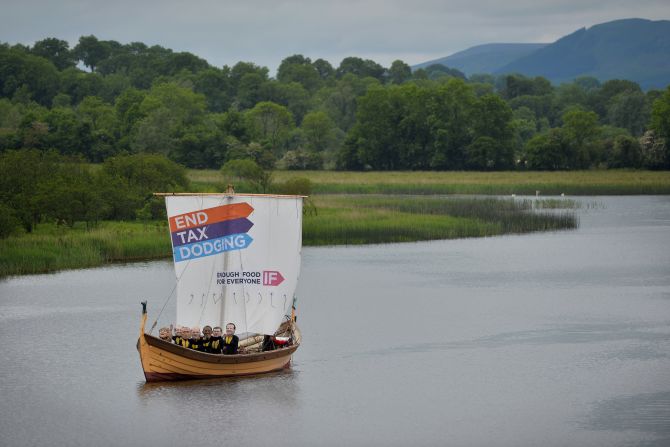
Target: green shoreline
335 220
367 213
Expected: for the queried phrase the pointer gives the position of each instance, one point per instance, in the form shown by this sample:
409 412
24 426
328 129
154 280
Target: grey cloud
265 31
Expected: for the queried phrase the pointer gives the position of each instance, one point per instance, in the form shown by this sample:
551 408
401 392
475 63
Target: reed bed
591 182
334 220
52 248
371 219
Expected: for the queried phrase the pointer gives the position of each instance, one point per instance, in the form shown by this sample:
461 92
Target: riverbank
328 220
593 182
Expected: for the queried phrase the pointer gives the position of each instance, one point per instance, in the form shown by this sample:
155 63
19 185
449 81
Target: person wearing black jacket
230 341
216 343
206 339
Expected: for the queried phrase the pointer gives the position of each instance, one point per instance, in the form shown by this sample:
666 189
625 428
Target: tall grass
593 182
354 220
52 248
337 220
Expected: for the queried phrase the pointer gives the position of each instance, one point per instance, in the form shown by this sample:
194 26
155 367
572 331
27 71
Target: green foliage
150 99
46 187
55 50
319 131
9 223
626 153
399 72
271 123
247 171
660 116
297 186
549 151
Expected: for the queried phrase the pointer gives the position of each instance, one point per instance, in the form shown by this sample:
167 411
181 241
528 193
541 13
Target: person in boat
165 334
230 341
195 339
206 340
216 343
176 334
184 337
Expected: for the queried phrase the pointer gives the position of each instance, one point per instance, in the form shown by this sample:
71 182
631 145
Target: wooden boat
235 280
163 361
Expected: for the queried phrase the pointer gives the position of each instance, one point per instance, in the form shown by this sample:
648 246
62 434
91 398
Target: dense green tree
35 76
549 151
451 122
629 110
437 71
581 131
92 51
660 117
626 153
270 122
361 68
319 131
324 68
215 85
399 72
55 50
493 133
298 68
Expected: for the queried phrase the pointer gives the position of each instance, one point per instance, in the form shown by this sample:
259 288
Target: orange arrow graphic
209 216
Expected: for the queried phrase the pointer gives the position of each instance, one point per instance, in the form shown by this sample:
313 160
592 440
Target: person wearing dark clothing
176 338
195 340
230 341
216 343
206 340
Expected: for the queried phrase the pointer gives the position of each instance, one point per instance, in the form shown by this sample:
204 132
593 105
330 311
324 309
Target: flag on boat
236 258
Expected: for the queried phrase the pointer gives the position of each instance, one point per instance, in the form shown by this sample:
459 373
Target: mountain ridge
635 49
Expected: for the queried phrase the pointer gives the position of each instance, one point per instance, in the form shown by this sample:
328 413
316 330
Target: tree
270 122
493 147
660 124
91 51
298 68
549 151
629 110
626 153
247 170
27 75
55 50
399 72
660 116
324 68
20 174
360 67
581 131
450 110
318 129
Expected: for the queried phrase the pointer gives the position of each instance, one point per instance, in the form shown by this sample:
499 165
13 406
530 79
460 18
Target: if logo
272 278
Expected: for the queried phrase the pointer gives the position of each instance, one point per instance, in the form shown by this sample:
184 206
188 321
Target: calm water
553 339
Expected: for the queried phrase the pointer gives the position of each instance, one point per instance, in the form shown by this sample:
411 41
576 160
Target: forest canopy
102 98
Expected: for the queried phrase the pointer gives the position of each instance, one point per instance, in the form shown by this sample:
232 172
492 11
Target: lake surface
548 339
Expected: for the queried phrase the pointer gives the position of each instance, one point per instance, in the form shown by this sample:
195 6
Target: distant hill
487 58
634 49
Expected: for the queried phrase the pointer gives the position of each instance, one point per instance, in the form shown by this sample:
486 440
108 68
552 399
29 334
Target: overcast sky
266 31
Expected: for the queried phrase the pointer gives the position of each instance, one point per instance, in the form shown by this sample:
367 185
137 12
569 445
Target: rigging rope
153 326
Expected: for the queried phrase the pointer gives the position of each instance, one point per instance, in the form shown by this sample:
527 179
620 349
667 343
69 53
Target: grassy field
334 219
594 182
50 247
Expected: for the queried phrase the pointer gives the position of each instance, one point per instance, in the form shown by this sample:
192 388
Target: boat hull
164 361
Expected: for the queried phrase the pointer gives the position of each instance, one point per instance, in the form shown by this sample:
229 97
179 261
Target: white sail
236 258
